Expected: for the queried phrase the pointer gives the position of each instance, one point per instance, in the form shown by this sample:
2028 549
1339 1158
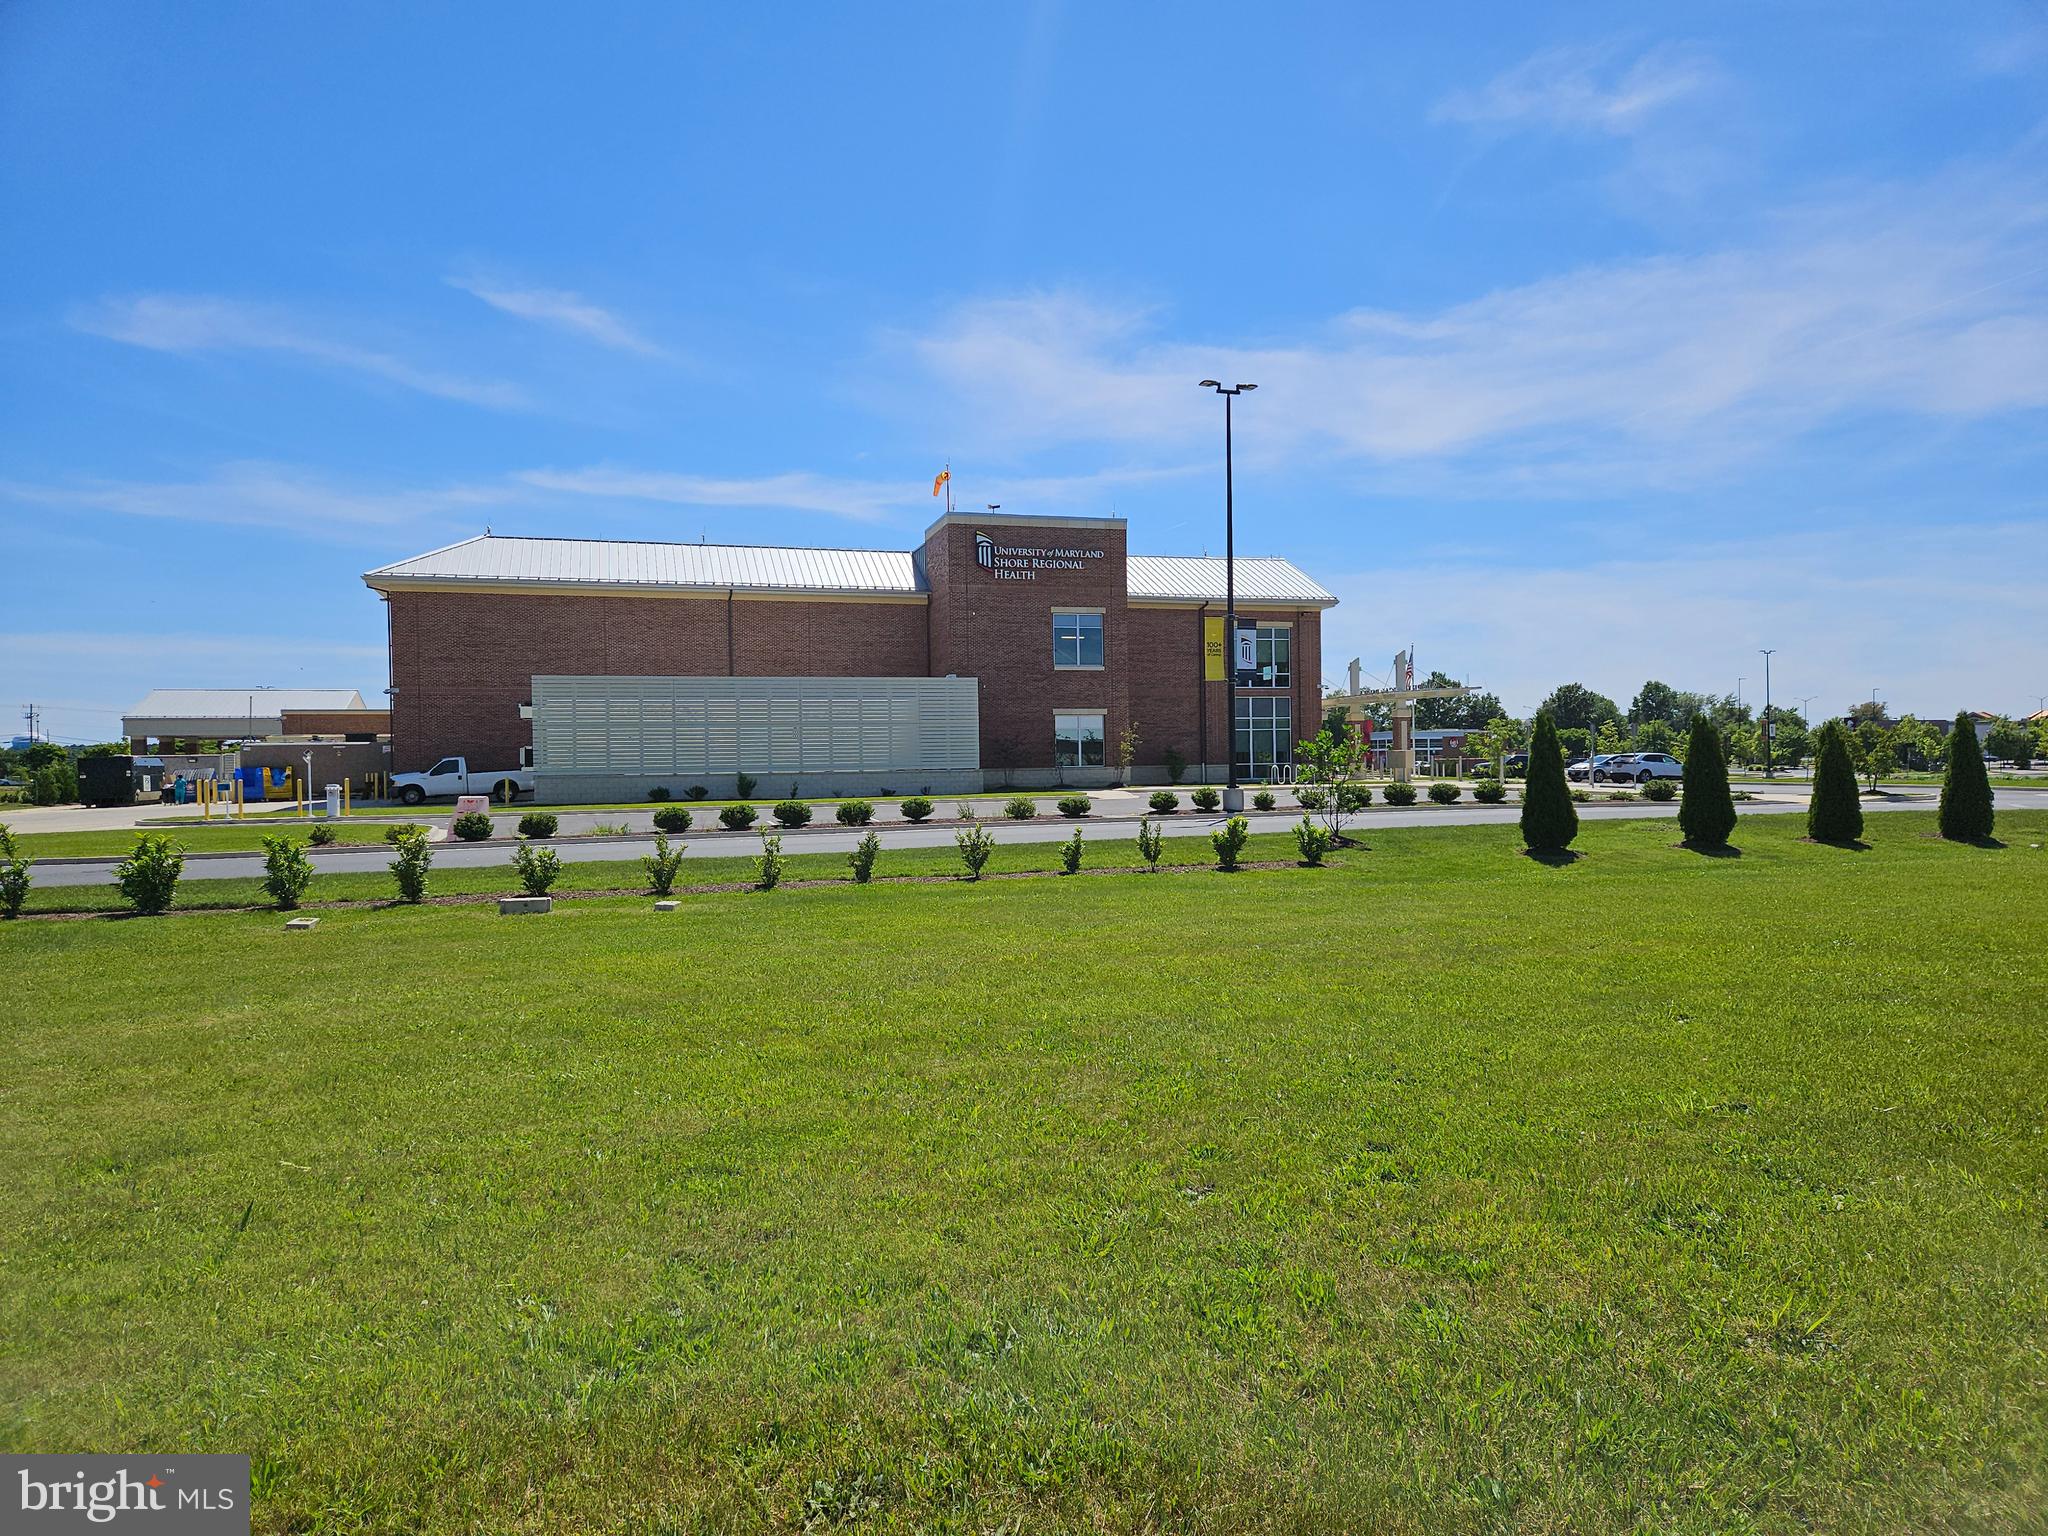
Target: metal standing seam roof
238 703
494 560
1199 578
626 563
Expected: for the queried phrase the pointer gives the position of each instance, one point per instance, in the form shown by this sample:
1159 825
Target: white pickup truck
453 776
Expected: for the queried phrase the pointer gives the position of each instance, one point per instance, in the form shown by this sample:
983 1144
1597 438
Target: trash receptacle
333 802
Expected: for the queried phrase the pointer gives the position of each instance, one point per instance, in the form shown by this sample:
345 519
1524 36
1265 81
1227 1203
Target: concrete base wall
602 788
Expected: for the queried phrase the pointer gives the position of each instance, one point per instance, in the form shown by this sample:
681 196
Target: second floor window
1077 639
1273 646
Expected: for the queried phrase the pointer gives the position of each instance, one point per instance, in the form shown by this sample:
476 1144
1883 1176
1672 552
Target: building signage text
1023 562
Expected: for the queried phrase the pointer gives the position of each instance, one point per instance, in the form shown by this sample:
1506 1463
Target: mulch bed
724 887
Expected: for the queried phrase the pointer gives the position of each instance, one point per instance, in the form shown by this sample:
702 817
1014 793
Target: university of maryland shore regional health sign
1025 562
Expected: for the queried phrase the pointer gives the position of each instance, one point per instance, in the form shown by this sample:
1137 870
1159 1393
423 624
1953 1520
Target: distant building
168 716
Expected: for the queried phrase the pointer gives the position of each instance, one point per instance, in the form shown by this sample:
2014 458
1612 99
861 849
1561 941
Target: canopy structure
216 714
1398 703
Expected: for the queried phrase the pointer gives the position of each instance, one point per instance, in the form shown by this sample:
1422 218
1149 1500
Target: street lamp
1233 796
1767 713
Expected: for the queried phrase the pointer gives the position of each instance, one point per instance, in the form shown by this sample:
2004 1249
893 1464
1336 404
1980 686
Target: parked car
1637 768
1577 770
1515 765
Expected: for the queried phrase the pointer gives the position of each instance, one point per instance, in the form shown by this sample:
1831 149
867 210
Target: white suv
1638 768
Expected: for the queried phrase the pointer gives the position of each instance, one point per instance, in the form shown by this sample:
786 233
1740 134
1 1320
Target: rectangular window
1077 741
1273 646
1265 736
1077 639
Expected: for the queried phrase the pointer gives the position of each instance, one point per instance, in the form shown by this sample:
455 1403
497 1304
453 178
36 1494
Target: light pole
1767 713
1233 796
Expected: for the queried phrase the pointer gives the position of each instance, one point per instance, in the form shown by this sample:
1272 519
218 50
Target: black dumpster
106 780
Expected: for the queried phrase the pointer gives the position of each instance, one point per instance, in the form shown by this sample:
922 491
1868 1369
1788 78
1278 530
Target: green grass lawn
194 837
1439 1190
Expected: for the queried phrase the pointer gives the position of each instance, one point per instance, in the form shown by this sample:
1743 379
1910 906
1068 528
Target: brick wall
999 628
463 662
335 722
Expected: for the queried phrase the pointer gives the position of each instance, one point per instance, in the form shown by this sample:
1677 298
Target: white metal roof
232 704
1199 578
625 563
494 560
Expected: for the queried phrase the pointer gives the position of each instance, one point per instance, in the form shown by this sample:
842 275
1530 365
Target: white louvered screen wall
713 725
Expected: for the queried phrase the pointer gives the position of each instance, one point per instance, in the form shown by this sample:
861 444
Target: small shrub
1443 792
1070 854
537 868
1075 805
696 792
672 818
1313 839
916 808
15 879
1176 764
1660 790
148 877
1205 799
1352 796
402 830
1151 843
886 792
321 837
1020 808
1741 794
964 810
1399 794
792 813
1489 791
1310 797
975 844
472 826
538 824
772 860
1228 841
743 786
737 818
1622 794
1164 801
1263 800
658 794
609 829
286 871
662 865
415 858
855 813
863 857
1579 797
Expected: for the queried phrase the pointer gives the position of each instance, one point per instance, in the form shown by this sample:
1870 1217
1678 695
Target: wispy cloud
1926 300
562 309
259 495
1597 88
180 323
905 503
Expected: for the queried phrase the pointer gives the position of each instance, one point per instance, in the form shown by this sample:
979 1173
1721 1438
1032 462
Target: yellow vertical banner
1212 650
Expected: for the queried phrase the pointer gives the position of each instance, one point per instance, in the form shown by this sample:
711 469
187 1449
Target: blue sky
1588 350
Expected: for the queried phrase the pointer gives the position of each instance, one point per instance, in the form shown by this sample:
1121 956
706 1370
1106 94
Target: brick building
1067 639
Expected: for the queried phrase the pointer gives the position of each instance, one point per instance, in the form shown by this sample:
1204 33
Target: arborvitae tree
1834 815
1706 810
1965 787
1549 819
